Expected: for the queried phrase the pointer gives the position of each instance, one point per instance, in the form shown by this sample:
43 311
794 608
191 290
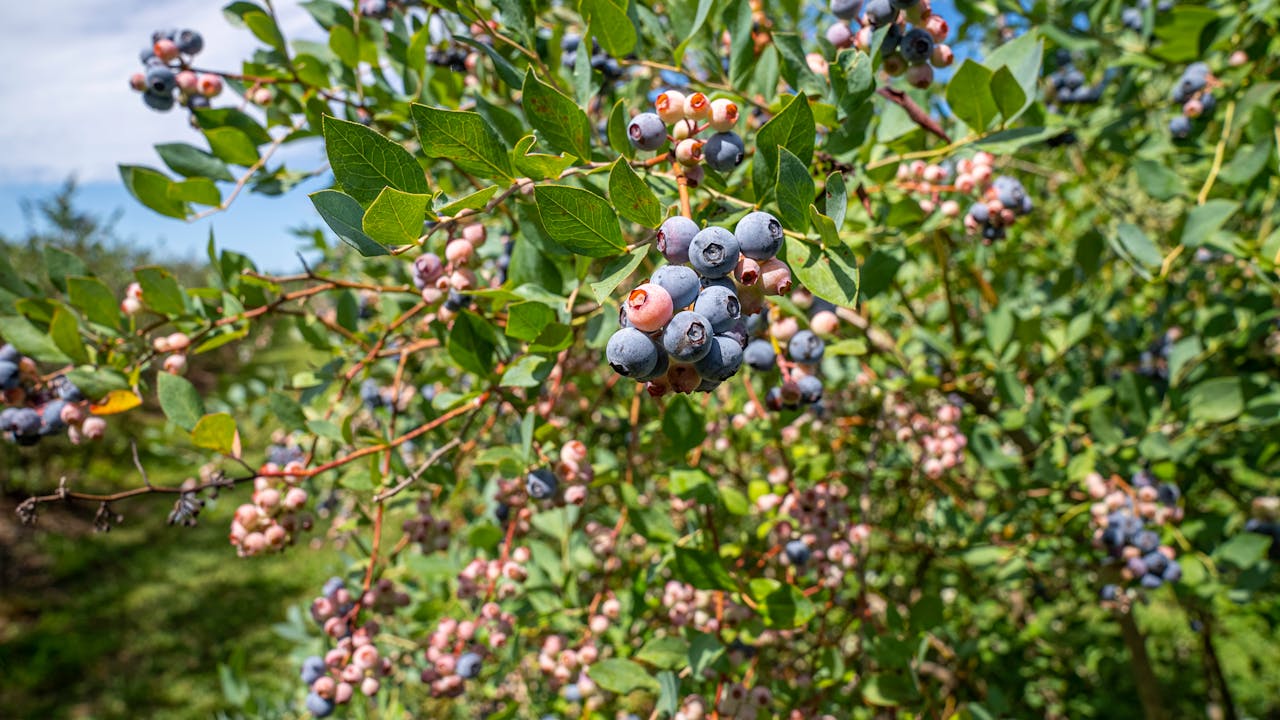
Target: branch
915 112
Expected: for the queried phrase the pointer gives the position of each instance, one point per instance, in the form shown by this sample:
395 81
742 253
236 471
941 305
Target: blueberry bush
767 360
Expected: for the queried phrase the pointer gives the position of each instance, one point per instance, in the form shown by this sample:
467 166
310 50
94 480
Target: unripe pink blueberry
474 234
683 129
927 206
275 536
254 542
160 344
369 686
840 35
365 657
697 107
210 85
1193 108
459 251
1238 58
575 494
343 692
862 38
335 658
179 341
694 175
166 50
598 624
175 364
724 114
670 106
72 414
260 96
784 328
295 498
268 499
324 686
775 277
138 82
187 82
942 56
824 322
748 271
920 76
462 279
950 208
936 26
817 64
649 307
689 152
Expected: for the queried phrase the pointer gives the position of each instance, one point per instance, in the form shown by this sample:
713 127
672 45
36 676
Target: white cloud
68 105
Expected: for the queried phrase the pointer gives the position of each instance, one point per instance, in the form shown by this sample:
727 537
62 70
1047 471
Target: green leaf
632 197
668 653
1138 246
739 20
1181 33
622 676
395 217
538 166
91 297
233 118
527 320
179 400
617 130
557 119
232 145
683 424
852 79
1215 400
286 411
1206 220
885 690
609 24
783 606
365 162
345 45
345 217
216 432
96 383
581 221
835 199
191 161
196 190
151 188
701 569
704 651
473 201
65 333
829 272
470 344
506 71
264 28
1009 96
1244 550
795 191
161 291
464 138
685 27
19 332
1024 57
617 271
528 372
1158 180
59 264
792 128
969 95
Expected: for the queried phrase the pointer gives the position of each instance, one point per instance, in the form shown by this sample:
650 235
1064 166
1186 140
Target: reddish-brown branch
914 111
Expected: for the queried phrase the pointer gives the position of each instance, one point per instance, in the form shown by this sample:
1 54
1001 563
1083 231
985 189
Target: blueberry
1131 18
659 369
1146 541
157 102
917 46
980 212
724 151
8 375
904 4
1136 566
810 389
570 42
313 668
759 355
9 353
198 102
1109 593
572 693
738 331
332 585
1151 581
680 282
846 9
647 131
468 665
457 301
805 347
163 34
541 484
147 56
1156 562
688 336
9 414
623 320
1172 573
720 306
1113 538
707 385
880 12
370 394
25 423
51 417
1168 493
319 706
722 360
631 353
714 252
797 552
189 42
1180 127
759 235
720 282
1009 192
161 80
674 236
502 513
1207 102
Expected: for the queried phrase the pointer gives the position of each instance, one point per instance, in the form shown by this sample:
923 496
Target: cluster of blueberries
601 61
1154 361
683 331
1193 92
679 120
1001 204
166 68
1133 17
355 661
1126 522
445 282
913 51
34 409
800 385
1069 86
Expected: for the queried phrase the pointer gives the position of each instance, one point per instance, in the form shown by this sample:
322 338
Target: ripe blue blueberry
980 212
1136 566
1180 127
904 4
1146 541
674 236
1168 493
631 353
1151 581
51 417
318 706
707 385
572 693
688 336
917 46
8 375
880 12
371 394
846 9
724 151
680 282
332 585
9 353
25 422
759 235
805 347
457 301
797 552
722 361
759 355
1172 573
738 331
720 306
1156 562
157 102
161 80
714 252
541 484
659 369
1109 593
810 389
647 131
312 669
468 665
189 42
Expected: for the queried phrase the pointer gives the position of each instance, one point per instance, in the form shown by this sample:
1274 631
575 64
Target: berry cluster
601 61
575 468
999 205
998 200
1121 514
167 67
35 408
176 344
484 578
431 533
445 282
1132 17
355 660
455 649
680 119
274 516
1265 520
567 668
740 703
683 331
913 51
1154 361
800 383
1194 92
1068 84
940 442
687 606
818 532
